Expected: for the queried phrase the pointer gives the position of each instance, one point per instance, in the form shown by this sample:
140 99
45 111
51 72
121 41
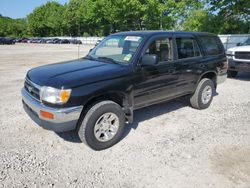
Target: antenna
78 51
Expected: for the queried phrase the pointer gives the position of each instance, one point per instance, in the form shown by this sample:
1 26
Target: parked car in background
49 41
64 41
18 40
56 41
98 42
75 41
52 41
24 40
239 59
6 40
96 95
35 40
43 41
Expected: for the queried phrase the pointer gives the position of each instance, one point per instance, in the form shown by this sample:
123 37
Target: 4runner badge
30 89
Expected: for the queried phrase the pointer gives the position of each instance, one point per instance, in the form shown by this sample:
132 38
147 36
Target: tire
94 118
197 100
232 74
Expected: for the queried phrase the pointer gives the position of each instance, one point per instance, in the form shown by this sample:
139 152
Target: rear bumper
238 65
65 119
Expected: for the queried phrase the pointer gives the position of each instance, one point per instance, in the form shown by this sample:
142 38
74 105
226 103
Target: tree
47 20
232 16
197 21
71 20
102 17
232 8
12 27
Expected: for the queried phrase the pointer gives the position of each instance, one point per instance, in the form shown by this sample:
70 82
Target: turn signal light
64 95
47 115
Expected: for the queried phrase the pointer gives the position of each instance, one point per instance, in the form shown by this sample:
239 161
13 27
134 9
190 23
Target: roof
155 32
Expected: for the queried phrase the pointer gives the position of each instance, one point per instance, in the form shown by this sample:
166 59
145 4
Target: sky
21 8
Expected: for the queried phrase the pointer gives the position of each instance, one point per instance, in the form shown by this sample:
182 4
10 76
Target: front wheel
203 94
102 126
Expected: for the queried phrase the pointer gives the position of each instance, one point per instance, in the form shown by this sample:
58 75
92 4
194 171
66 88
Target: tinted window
211 45
162 48
187 48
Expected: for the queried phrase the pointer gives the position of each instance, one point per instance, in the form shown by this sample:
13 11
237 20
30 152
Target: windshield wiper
89 57
108 59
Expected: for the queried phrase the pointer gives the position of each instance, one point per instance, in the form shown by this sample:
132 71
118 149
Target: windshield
119 49
247 42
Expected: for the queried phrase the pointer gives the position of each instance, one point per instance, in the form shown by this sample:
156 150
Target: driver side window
162 47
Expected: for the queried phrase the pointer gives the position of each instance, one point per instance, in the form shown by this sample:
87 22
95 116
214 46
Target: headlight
229 54
54 96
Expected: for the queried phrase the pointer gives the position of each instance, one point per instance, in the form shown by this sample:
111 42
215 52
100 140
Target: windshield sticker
132 38
127 57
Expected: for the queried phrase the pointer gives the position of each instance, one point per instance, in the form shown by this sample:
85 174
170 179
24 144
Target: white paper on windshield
127 57
133 38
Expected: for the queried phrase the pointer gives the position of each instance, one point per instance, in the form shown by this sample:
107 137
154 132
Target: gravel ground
168 145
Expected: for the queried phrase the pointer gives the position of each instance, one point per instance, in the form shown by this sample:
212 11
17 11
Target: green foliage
197 21
233 16
47 20
12 27
102 17
232 8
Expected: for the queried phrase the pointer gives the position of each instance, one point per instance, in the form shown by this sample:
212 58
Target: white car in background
239 59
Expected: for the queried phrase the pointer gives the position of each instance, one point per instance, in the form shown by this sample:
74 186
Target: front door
157 82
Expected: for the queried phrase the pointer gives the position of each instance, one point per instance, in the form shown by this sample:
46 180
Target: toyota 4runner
98 94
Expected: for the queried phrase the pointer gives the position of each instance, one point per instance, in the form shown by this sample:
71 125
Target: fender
207 72
125 99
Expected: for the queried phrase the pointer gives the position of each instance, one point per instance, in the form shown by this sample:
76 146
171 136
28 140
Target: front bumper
238 65
65 119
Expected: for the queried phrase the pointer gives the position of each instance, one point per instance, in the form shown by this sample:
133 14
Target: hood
74 73
240 48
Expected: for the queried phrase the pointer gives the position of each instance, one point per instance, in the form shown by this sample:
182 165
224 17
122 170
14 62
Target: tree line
102 17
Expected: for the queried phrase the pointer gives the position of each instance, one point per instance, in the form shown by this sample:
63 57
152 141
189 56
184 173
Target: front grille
242 55
32 89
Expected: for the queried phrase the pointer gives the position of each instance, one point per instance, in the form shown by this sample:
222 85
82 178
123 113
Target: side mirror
239 44
149 59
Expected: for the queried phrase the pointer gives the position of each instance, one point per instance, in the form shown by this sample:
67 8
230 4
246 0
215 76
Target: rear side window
187 48
211 45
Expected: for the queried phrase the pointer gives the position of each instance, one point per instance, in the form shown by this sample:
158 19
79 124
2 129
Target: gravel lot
168 145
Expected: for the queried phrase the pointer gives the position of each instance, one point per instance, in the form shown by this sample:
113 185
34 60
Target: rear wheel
102 126
232 74
203 94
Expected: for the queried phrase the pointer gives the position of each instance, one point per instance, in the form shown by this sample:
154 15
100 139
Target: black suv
96 95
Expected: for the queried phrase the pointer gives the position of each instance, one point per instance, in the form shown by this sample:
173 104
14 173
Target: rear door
214 54
188 61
